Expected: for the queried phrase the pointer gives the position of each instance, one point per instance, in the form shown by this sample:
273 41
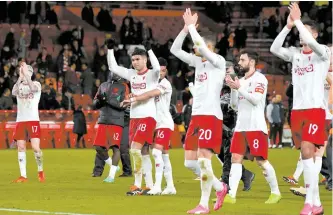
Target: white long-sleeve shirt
309 70
209 75
164 118
250 101
140 83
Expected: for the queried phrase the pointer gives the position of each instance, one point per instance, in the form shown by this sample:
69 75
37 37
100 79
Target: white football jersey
164 118
250 101
329 115
208 84
309 73
27 103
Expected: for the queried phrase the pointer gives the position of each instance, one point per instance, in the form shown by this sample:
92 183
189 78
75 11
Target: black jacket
80 125
107 100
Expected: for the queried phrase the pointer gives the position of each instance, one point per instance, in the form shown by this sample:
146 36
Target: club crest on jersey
302 70
138 86
157 98
201 77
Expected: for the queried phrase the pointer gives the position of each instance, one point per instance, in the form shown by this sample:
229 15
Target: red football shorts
256 141
108 135
308 125
142 130
204 132
163 137
32 128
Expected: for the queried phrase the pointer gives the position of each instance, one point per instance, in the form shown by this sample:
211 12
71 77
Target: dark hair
33 76
251 54
162 61
313 25
138 51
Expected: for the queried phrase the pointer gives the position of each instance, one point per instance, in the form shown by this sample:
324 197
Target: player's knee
156 153
21 147
235 158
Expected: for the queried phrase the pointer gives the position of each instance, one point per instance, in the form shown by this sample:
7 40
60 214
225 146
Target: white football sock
39 160
270 177
147 168
193 166
206 181
137 163
159 166
299 168
109 162
316 196
167 170
309 179
22 159
234 178
113 171
217 185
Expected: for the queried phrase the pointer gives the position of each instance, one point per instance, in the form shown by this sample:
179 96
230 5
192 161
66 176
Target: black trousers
276 129
329 158
124 156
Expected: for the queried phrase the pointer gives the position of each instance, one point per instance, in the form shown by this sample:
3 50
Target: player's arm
154 62
16 87
319 49
113 66
191 88
215 59
256 96
34 86
176 49
146 95
234 99
278 50
329 78
99 100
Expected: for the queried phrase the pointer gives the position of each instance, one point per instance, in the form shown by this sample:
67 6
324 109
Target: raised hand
110 43
295 12
233 84
190 19
147 44
290 22
185 29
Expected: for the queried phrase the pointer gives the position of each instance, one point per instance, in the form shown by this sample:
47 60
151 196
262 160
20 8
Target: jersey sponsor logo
138 85
26 96
201 77
302 70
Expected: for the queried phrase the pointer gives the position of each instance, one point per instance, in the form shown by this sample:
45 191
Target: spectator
223 45
124 59
87 79
48 99
67 101
6 100
240 37
187 111
72 81
32 12
129 18
87 14
23 45
44 62
36 37
100 65
261 25
78 54
282 115
105 20
80 126
63 62
78 34
10 39
273 116
52 17
126 32
44 7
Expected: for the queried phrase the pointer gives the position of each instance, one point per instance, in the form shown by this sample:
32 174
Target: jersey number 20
205 134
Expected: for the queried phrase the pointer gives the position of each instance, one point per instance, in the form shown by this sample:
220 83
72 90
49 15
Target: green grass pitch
70 188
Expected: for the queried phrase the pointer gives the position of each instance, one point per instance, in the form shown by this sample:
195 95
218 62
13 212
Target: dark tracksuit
229 123
110 111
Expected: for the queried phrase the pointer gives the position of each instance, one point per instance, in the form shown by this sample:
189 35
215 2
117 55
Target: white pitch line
41 212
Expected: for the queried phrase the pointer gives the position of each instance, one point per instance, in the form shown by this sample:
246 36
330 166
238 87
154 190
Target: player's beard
240 71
